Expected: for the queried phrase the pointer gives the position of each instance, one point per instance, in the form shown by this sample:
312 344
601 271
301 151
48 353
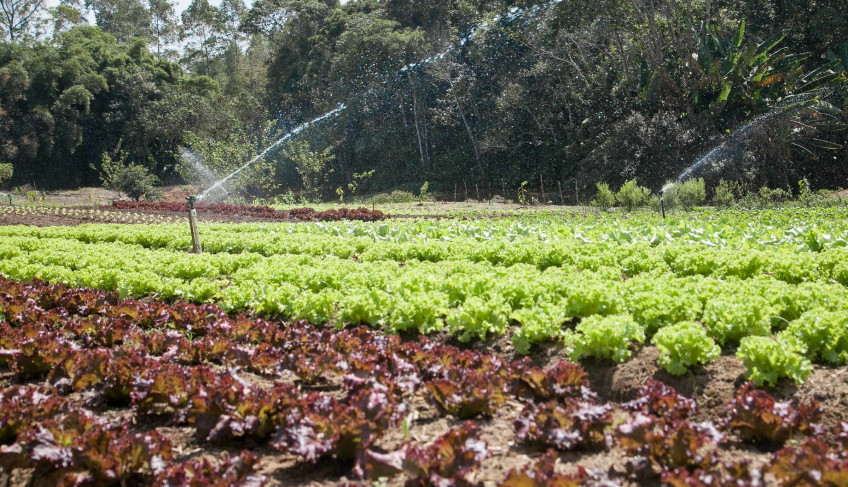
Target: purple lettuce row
305 214
65 445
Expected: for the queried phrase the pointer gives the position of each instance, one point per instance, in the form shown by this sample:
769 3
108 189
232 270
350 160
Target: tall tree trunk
420 129
470 133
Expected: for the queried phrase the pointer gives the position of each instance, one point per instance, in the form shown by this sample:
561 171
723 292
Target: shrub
604 197
671 195
767 197
522 193
311 165
133 180
689 193
6 171
396 196
805 192
422 193
726 193
632 196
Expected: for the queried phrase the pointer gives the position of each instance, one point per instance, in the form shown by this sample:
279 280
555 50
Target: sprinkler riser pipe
192 223
662 205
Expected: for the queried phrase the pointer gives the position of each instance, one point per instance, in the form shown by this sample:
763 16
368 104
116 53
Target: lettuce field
351 348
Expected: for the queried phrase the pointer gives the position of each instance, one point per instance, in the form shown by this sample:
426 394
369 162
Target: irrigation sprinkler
192 223
662 203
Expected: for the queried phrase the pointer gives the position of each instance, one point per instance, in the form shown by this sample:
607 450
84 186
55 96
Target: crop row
474 300
94 215
789 232
191 366
303 214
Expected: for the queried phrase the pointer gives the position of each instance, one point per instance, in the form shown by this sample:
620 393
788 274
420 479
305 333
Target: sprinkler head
191 199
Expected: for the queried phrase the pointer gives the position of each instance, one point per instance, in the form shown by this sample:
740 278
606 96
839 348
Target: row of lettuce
96 378
602 286
803 229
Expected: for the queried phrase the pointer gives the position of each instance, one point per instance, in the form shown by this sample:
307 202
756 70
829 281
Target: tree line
577 91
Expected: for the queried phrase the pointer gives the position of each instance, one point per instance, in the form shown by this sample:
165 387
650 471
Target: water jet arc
297 130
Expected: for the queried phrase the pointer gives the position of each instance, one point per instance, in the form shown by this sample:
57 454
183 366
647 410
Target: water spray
192 223
219 185
740 135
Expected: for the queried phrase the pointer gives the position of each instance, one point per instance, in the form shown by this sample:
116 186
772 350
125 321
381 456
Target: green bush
604 198
311 165
6 171
632 196
688 194
767 197
133 180
805 192
396 196
422 193
726 193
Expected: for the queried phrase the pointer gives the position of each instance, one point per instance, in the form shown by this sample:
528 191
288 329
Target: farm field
526 350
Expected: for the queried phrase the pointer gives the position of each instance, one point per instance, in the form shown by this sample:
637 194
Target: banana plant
742 77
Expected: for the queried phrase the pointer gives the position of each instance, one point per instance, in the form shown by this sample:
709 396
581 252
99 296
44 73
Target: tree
123 19
17 16
163 23
311 165
65 17
203 29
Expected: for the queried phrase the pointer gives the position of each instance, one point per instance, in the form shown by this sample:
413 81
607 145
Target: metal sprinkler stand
192 223
662 204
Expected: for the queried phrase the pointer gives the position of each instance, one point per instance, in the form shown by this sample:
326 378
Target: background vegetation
579 92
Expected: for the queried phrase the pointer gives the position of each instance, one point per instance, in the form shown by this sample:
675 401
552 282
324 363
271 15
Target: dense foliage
574 91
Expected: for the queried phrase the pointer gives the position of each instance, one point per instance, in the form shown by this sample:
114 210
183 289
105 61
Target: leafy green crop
684 345
769 360
741 274
538 323
605 337
822 335
476 318
732 317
